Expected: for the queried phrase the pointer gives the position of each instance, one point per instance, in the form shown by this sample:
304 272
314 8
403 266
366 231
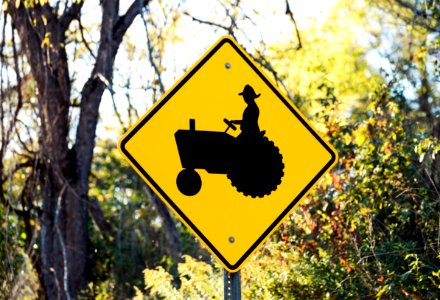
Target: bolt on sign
228 153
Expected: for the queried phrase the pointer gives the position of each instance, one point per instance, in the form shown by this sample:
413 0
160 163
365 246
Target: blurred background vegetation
77 222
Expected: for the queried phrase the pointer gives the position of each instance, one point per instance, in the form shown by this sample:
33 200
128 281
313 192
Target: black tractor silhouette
253 163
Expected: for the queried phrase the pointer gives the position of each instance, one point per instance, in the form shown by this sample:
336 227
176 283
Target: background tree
64 164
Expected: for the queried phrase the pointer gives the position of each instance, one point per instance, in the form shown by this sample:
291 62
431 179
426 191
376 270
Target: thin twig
151 58
18 86
2 62
70 13
438 235
81 30
206 22
233 25
130 107
290 14
126 20
63 244
109 87
432 182
421 17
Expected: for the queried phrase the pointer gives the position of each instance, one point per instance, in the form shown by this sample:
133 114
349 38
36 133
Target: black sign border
238 264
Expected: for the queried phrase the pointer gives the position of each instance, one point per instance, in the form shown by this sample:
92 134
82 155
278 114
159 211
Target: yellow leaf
382 291
46 40
139 295
17 3
360 139
347 139
364 211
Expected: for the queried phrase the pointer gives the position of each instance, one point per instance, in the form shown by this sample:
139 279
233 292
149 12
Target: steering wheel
230 125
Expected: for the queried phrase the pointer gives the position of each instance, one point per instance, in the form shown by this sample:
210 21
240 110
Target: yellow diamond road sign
228 153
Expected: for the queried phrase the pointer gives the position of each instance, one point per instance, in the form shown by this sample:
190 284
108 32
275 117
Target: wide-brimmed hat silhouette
248 91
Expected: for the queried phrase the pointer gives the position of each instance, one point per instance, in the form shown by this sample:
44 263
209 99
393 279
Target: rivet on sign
231 239
228 65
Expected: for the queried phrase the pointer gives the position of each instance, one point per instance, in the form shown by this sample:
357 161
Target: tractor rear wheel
258 168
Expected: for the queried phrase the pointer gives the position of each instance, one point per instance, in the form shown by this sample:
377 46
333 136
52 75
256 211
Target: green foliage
137 239
198 280
332 59
369 230
18 279
26 282
376 219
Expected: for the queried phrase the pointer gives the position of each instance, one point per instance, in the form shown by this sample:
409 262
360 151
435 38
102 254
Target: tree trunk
173 235
48 62
65 172
425 106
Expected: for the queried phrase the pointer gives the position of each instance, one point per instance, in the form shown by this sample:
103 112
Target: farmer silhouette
249 123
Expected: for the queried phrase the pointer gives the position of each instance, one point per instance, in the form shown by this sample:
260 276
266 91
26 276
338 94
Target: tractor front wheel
189 182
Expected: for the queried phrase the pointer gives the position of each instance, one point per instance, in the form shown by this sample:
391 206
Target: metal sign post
232 287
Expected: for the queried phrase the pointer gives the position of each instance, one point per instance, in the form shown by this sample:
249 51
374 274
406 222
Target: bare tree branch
18 87
100 220
124 22
170 226
233 19
20 140
2 113
72 13
151 58
131 109
27 32
410 6
81 30
268 66
290 14
207 22
420 17
63 246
